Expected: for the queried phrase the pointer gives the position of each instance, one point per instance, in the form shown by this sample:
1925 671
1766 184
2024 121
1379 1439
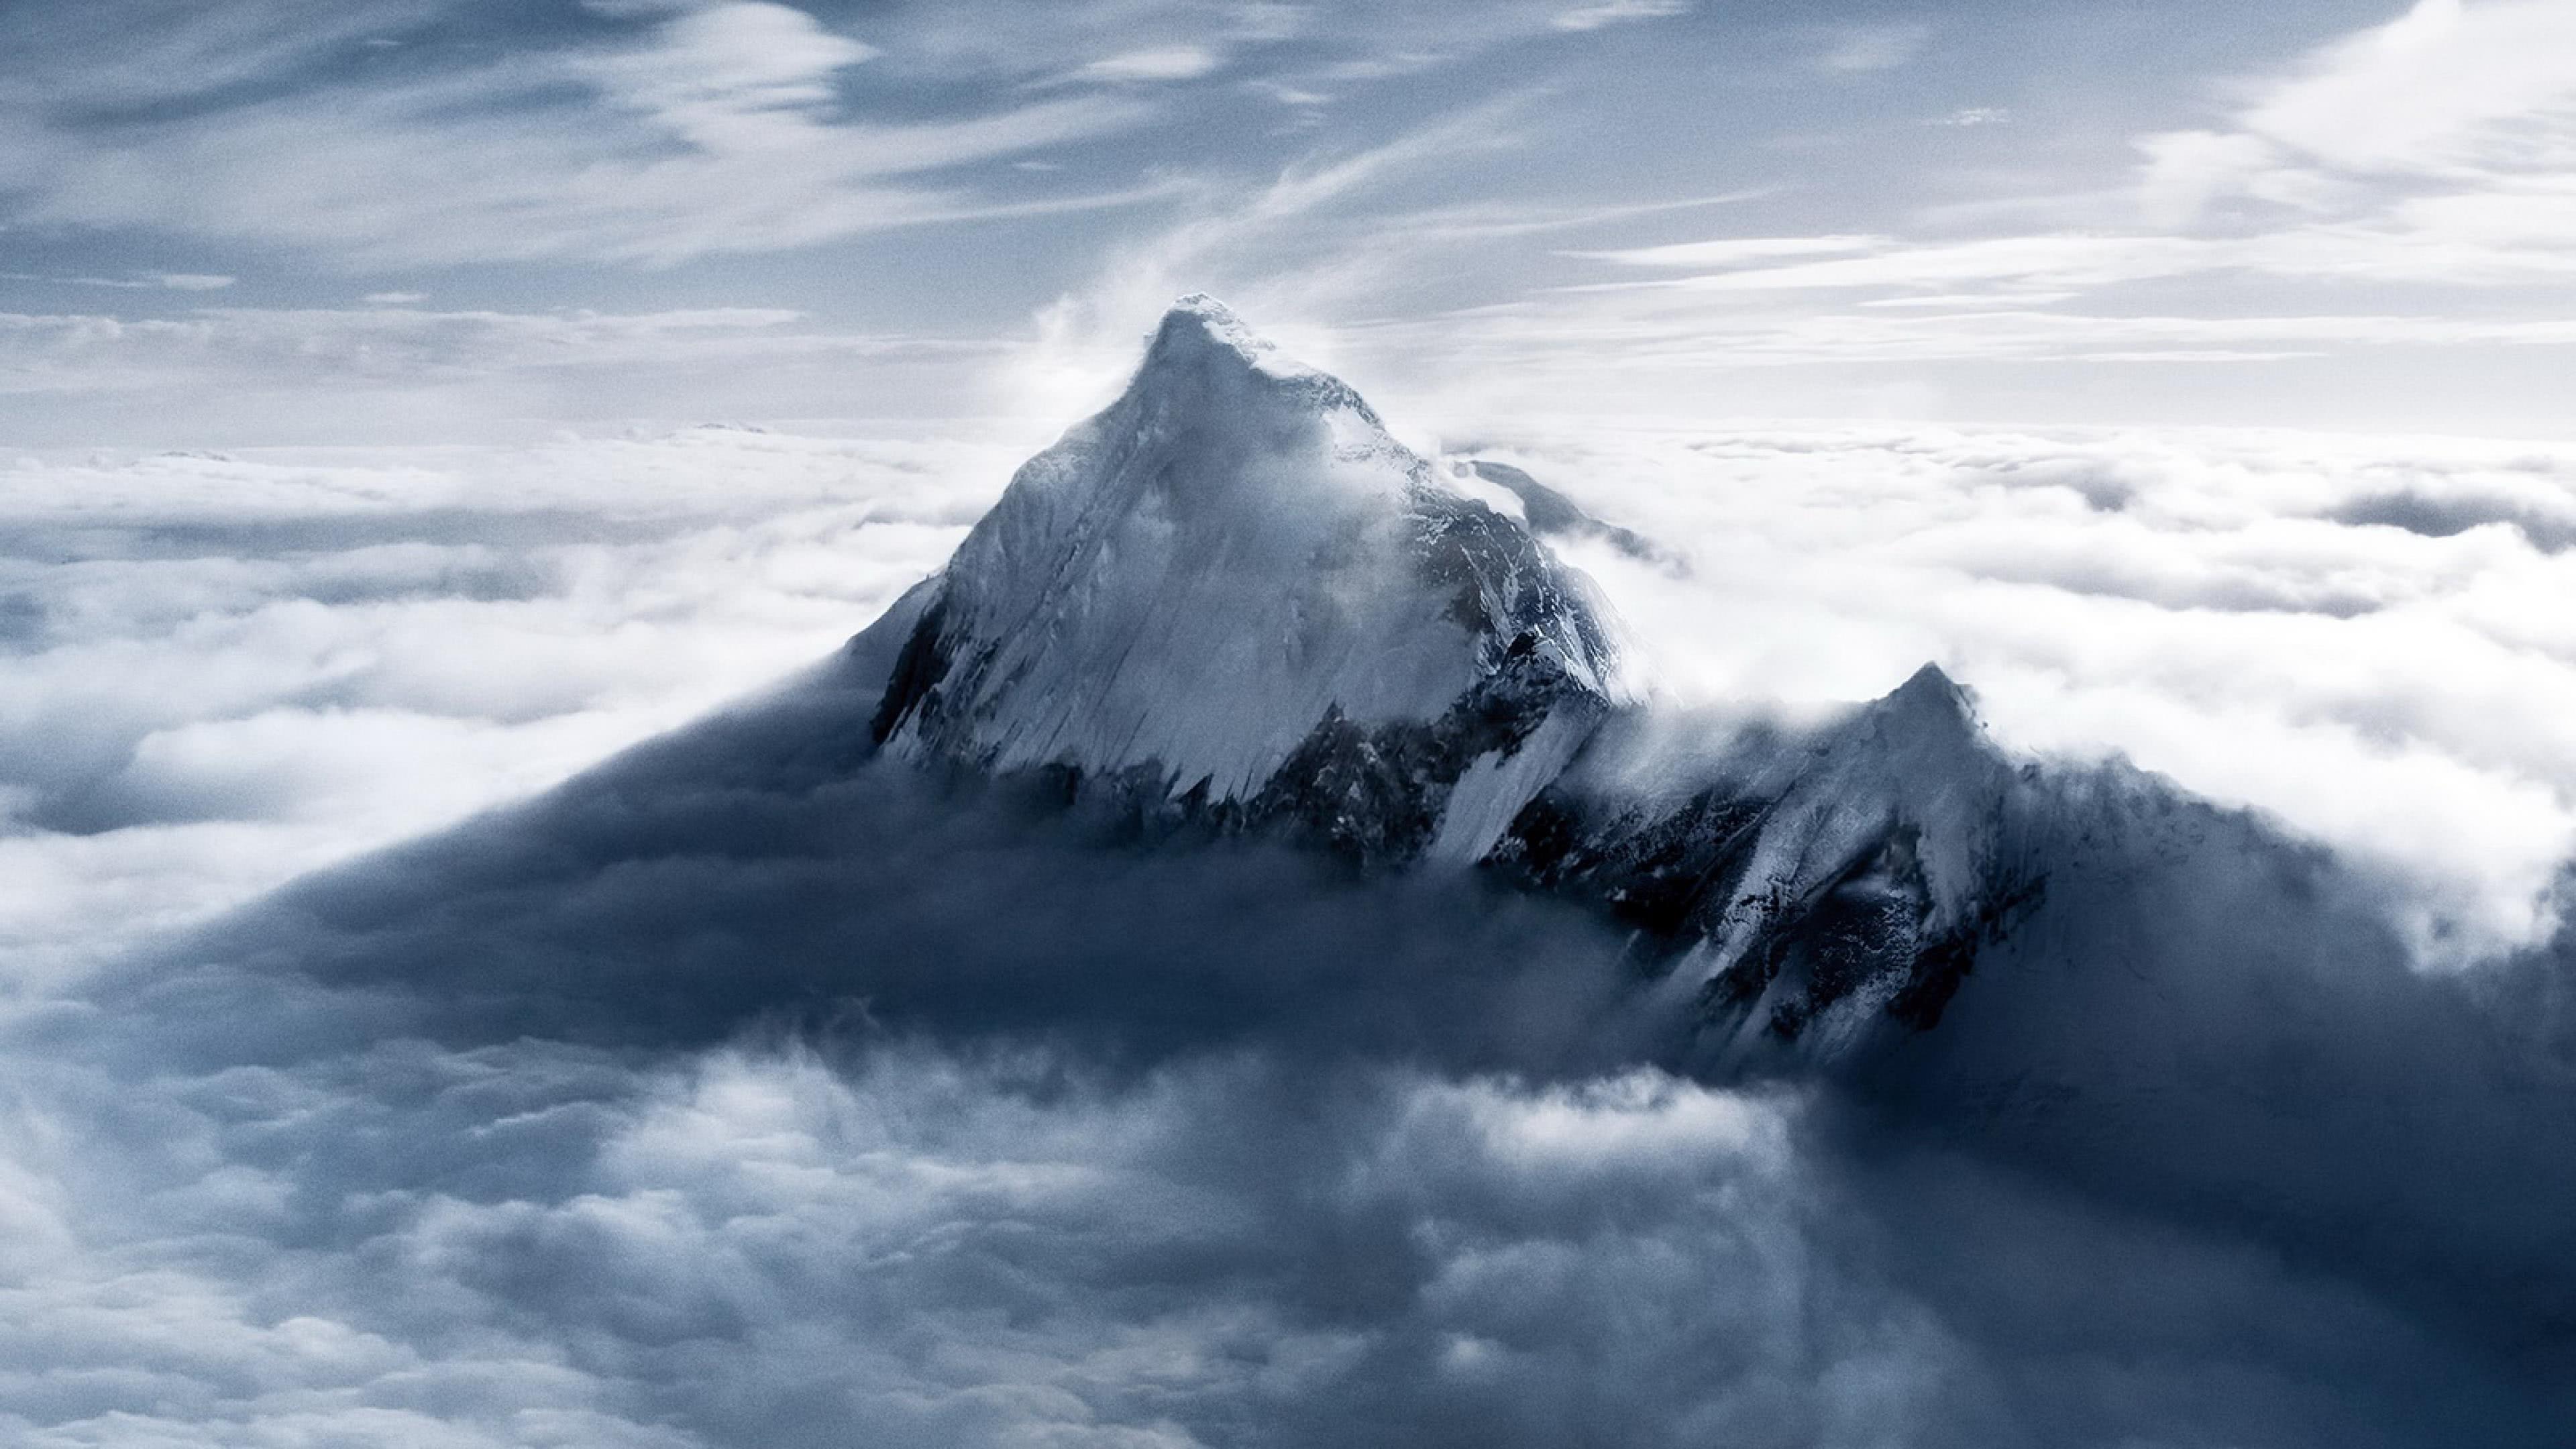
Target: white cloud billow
2353 636
2452 93
186 731
2361 638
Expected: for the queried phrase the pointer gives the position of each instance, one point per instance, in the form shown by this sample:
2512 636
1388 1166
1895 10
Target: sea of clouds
226 670
696 1108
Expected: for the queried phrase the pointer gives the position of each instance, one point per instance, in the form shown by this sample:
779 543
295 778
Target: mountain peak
1205 363
1201 321
1931 692
1235 567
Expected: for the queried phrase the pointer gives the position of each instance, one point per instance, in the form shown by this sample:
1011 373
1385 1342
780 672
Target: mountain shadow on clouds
2216 1026
763 868
1235 730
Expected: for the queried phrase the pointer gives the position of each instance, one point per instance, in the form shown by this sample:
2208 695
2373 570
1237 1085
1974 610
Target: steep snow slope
1235 569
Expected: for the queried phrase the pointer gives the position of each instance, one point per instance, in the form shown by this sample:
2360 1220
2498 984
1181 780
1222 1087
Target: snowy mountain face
1809 883
1233 595
1232 598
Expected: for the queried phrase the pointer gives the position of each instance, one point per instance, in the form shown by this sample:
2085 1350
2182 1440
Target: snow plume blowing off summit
1241 956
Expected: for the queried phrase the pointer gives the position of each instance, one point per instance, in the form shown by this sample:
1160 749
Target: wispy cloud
2458 96
1613 12
1164 63
732 78
392 369
150 281
721 128
1310 240
1874 47
1729 250
2459 193
2271 617
655 132
658 134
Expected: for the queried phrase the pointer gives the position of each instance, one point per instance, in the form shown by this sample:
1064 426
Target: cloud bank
212 659
739 1094
2358 637
745 1094
2353 635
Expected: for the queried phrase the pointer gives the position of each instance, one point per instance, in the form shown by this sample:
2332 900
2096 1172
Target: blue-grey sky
292 220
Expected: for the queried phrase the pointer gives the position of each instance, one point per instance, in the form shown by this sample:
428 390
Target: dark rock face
1371 792
1553 515
1856 932
1507 590
1375 795
1833 880
1941 964
1682 880
1666 875
918 669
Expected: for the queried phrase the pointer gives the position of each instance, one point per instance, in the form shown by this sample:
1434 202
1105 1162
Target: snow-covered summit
1201 344
1200 322
1231 563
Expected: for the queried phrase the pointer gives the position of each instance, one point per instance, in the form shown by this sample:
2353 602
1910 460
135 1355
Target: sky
274 222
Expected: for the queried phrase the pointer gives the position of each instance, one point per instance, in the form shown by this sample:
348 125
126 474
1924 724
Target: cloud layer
214 659
734 1097
2356 636
739 1095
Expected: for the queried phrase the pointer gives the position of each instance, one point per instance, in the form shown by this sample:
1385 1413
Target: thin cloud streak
2441 259
718 132
1593 17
